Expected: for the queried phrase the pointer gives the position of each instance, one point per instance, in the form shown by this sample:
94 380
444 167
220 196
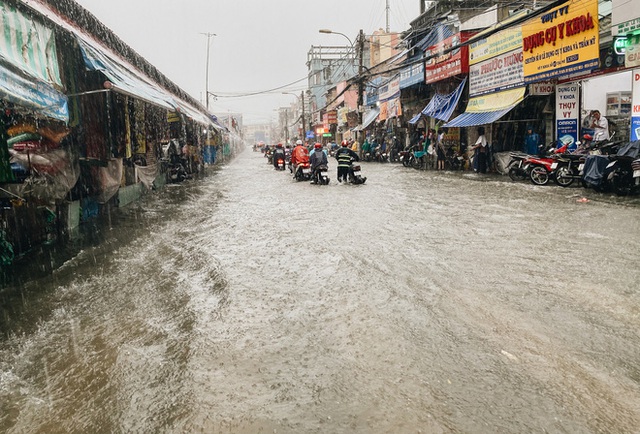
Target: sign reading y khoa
561 42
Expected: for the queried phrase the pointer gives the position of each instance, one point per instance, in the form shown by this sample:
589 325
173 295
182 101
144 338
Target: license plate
554 165
636 173
581 167
306 170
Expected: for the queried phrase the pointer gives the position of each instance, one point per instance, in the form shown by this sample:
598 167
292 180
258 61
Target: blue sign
310 135
635 129
567 132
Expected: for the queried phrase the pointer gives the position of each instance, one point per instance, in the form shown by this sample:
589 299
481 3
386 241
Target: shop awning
29 71
488 108
414 120
122 78
442 106
369 117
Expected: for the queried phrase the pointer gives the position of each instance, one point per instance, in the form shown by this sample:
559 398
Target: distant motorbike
320 175
280 165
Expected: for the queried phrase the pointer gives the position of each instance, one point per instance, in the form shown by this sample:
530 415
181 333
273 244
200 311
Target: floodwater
420 302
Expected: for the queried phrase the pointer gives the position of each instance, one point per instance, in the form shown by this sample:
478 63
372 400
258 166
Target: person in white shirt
600 125
483 150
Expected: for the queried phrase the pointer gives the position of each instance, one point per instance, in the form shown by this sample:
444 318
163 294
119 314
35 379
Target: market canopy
121 77
442 106
369 117
29 71
488 108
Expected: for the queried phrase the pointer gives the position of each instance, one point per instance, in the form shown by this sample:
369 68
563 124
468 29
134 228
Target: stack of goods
36 149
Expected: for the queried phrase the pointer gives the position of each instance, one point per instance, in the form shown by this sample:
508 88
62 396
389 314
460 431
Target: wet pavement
245 302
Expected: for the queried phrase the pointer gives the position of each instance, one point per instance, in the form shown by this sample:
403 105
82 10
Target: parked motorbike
454 160
355 176
518 168
404 157
619 172
303 172
320 176
380 157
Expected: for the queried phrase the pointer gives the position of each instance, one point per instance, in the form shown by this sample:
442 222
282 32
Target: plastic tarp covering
369 117
442 106
53 175
122 77
594 166
109 178
631 150
414 120
147 174
29 72
502 160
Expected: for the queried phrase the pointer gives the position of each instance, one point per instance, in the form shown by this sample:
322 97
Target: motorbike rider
299 155
318 158
345 157
278 154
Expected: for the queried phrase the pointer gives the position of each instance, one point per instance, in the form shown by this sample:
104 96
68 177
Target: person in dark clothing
278 154
345 157
317 160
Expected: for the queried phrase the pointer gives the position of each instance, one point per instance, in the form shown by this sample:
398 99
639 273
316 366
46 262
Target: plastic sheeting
109 179
53 175
147 174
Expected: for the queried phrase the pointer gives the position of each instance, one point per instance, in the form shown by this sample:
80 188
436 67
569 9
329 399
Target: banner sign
411 75
632 51
542 88
448 64
635 110
563 41
390 89
394 108
567 112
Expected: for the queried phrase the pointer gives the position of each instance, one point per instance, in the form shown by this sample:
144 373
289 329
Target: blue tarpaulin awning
442 106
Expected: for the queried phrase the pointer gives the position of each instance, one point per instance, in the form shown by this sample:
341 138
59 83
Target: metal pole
360 81
206 96
304 134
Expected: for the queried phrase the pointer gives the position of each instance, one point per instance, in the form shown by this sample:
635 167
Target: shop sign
394 108
635 109
342 115
411 75
390 89
625 17
447 64
567 112
332 117
495 62
383 111
563 41
628 26
632 51
542 88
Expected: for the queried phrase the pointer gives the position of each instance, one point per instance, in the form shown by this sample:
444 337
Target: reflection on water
421 301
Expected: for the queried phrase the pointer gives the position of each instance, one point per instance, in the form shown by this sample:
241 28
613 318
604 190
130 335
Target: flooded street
419 302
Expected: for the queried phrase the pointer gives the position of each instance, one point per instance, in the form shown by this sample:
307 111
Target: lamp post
301 101
328 31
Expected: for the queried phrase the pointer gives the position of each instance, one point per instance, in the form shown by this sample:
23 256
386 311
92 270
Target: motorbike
518 168
355 176
320 175
404 157
619 173
380 157
303 172
635 165
569 166
454 160
280 164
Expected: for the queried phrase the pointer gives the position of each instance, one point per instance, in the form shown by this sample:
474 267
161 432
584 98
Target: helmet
318 145
279 145
345 143
299 142
587 137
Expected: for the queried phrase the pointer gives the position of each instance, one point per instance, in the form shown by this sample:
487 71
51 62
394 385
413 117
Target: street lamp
328 31
208 35
301 101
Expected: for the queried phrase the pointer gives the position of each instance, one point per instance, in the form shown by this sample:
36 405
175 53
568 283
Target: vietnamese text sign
390 89
495 62
562 41
632 51
635 109
567 112
447 64
496 101
542 88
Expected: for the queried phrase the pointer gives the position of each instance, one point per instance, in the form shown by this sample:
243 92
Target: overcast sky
260 44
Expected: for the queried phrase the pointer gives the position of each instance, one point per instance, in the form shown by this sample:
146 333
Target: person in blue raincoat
531 142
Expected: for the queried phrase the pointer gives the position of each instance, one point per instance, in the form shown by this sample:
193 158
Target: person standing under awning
482 151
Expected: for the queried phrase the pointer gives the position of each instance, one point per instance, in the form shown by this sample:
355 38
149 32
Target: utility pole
206 95
388 9
360 79
304 133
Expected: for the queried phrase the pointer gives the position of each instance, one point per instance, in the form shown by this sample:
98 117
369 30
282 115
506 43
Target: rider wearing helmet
318 158
278 154
345 157
299 155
